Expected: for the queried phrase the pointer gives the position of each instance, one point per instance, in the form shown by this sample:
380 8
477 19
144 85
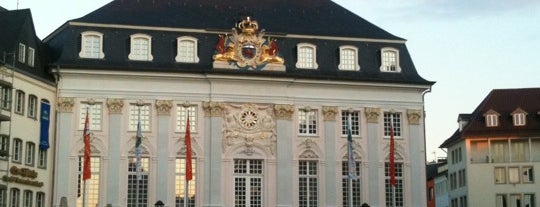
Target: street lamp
159 204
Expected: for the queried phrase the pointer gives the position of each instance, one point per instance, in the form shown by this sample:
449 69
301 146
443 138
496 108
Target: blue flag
44 126
138 148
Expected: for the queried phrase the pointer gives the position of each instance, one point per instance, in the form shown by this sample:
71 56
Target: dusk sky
469 47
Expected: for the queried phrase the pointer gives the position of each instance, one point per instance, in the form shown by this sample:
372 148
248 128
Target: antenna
17 4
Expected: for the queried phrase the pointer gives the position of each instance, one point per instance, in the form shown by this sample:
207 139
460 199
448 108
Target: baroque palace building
268 86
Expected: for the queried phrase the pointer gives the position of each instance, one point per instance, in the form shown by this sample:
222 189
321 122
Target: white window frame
6 97
356 183
95 116
31 56
306 61
492 120
4 145
88 51
42 159
145 117
308 122
32 106
514 175
386 64
40 199
355 123
30 153
22 53
17 150
398 124
186 55
136 47
15 197
528 174
400 181
181 117
348 63
27 198
253 177
19 101
519 119
309 175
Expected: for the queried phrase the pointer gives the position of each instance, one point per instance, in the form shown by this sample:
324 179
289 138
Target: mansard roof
322 23
306 17
18 27
504 102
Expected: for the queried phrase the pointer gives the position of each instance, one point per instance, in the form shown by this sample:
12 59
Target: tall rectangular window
5 103
396 117
181 117
308 183
4 146
19 102
499 151
398 189
30 153
22 53
94 115
17 150
32 106
520 150
354 185
355 123
137 190
15 197
91 192
42 158
134 113
307 122
248 183
27 198
180 183
31 54
492 120
513 175
40 199
528 200
3 198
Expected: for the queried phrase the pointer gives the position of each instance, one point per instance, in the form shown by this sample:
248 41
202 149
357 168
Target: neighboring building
441 186
494 156
267 108
28 94
432 173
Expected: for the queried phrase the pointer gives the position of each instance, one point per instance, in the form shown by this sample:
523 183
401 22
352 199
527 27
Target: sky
468 47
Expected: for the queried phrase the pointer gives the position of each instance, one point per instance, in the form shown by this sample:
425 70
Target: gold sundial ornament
246 46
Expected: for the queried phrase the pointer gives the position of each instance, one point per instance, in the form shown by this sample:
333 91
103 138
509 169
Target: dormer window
91 45
307 56
141 47
22 53
348 58
492 118
519 117
186 50
390 60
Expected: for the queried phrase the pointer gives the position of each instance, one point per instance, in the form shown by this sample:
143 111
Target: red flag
392 164
187 142
86 137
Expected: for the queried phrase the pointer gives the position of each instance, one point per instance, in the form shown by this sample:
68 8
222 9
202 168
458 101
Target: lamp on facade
159 204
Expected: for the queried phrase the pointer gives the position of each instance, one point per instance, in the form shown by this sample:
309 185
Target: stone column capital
163 107
213 109
284 111
372 114
413 116
65 104
329 113
115 106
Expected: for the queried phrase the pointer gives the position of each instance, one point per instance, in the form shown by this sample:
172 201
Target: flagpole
186 188
84 194
137 154
86 159
392 175
187 174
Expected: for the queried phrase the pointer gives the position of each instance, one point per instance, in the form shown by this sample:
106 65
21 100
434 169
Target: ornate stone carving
65 104
309 143
115 106
250 125
212 109
414 116
329 113
284 111
309 154
372 114
163 107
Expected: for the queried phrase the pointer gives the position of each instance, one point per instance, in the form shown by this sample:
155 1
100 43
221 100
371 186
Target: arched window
307 56
91 45
186 50
348 58
141 47
390 60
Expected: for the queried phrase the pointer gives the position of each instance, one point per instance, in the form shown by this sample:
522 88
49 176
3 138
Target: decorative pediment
519 111
93 150
247 48
144 151
309 154
491 112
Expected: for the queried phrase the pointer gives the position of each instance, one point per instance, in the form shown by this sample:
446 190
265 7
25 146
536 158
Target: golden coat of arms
247 47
